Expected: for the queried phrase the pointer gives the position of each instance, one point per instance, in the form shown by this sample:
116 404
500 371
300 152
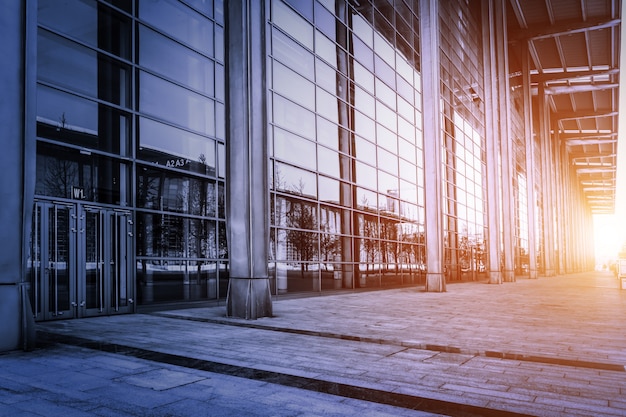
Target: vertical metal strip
56 262
114 259
100 251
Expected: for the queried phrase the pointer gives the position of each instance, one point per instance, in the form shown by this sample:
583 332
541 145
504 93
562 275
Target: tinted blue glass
205 6
95 24
171 191
71 119
180 22
175 148
72 66
59 169
176 104
175 61
325 21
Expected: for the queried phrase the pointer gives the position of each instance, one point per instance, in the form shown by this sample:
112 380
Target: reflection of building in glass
348 144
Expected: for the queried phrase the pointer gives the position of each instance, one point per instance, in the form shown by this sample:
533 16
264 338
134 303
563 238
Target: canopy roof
574 55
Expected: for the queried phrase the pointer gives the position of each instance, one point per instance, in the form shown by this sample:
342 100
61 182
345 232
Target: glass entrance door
81 261
106 262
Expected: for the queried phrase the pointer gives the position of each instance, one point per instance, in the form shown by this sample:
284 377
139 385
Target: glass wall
180 122
130 110
346 166
464 153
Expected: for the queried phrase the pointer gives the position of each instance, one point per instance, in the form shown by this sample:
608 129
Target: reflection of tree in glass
301 215
60 175
368 228
329 245
389 234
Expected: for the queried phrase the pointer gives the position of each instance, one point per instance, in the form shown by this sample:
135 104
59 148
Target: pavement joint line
550 360
412 402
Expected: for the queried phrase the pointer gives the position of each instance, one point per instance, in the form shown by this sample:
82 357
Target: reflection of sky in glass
387 141
181 22
172 141
67 64
469 181
176 104
79 21
66 110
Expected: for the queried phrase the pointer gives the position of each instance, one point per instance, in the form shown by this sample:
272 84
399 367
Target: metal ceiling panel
574 54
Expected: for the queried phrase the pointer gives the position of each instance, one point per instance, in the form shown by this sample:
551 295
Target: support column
568 215
504 100
429 38
530 163
546 182
247 182
17 184
494 246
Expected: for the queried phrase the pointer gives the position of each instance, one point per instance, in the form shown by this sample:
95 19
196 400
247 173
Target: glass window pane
327 133
327 105
291 54
328 190
219 43
220 82
95 24
325 21
328 162
294 149
388 161
325 49
72 66
71 119
365 150
293 86
365 175
180 22
366 199
325 76
364 126
171 191
292 23
61 169
294 180
66 63
67 111
175 148
365 102
293 117
176 104
175 61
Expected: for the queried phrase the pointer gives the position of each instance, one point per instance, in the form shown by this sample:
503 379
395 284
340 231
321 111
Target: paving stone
403 342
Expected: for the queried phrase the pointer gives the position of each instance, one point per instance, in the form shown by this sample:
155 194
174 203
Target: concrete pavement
548 347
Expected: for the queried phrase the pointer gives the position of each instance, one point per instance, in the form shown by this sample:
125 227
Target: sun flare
608 237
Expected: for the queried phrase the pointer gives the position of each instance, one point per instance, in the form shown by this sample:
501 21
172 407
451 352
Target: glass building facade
130 155
347 179
134 127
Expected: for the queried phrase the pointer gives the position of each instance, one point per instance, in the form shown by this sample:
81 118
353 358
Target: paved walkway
548 347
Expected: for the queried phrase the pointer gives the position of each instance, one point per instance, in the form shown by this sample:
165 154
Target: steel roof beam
563 28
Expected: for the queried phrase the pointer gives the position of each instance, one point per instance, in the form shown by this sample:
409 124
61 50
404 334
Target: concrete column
504 131
546 182
247 159
563 213
492 146
530 163
433 183
17 160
